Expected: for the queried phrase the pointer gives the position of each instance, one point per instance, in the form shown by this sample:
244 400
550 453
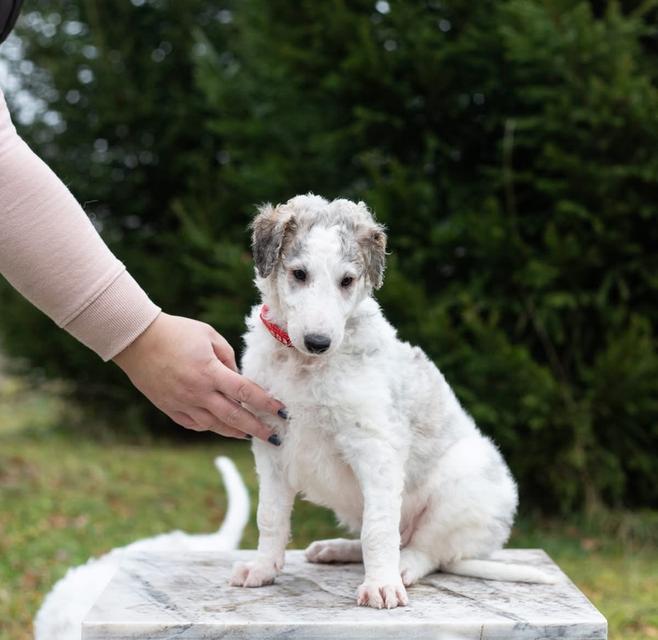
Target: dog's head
315 262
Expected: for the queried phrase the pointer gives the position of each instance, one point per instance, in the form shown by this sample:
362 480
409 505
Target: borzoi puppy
375 432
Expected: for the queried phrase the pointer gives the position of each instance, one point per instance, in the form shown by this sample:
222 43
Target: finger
224 351
245 391
184 420
226 431
206 421
236 417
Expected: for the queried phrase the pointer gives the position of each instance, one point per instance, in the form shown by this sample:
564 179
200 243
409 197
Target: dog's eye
299 274
346 281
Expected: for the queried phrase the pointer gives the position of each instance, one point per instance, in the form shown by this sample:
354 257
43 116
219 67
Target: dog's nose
316 343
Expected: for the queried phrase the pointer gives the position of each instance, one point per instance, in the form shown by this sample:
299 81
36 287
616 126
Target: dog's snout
316 343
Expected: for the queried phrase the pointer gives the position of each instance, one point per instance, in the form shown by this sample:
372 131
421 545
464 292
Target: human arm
51 253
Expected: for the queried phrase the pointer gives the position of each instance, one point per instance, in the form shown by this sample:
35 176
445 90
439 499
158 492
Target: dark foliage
511 148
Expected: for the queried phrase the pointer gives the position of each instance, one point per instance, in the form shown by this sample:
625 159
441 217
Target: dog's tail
493 570
237 498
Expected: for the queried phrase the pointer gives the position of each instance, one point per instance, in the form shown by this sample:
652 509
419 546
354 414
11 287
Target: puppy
375 432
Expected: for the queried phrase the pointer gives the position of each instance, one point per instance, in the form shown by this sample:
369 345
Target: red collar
279 333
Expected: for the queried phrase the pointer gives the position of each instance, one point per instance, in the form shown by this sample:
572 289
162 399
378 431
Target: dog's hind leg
336 550
415 564
417 557
469 513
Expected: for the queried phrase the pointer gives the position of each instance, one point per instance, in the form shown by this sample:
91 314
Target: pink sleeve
51 253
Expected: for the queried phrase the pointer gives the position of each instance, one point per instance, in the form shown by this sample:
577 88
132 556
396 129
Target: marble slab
186 596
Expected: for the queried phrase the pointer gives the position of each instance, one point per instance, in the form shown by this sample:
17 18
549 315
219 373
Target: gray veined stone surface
186 596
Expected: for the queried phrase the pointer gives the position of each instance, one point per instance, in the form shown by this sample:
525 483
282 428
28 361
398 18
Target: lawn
66 495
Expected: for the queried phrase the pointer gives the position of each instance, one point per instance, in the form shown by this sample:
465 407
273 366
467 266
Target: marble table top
186 596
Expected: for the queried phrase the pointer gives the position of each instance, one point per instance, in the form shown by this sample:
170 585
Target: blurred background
510 147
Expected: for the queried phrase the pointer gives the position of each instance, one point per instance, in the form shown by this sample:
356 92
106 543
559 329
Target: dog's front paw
252 574
385 593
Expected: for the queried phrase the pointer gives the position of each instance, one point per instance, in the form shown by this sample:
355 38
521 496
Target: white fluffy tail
237 498
493 570
64 608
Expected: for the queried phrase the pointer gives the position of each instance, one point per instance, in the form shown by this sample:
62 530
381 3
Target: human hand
188 371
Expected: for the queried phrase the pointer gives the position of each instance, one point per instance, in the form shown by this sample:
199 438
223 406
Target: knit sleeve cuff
116 317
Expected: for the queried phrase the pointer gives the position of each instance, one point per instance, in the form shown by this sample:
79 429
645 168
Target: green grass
66 495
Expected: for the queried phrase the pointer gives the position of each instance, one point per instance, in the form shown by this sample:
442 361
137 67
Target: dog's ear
270 229
372 240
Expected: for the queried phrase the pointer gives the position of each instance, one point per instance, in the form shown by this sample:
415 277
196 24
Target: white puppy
374 430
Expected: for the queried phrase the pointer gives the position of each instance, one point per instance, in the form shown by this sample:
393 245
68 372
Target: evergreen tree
510 147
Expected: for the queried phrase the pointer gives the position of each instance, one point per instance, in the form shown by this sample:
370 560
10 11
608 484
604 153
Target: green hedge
510 146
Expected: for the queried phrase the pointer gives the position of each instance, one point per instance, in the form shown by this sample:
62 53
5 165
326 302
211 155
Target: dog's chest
317 401
314 467
318 391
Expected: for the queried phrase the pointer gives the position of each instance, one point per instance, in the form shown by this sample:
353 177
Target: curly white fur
375 432
61 614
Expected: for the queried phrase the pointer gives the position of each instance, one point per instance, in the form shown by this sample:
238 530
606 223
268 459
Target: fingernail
282 413
274 439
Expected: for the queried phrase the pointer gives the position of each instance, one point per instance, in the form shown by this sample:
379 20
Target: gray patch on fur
373 245
296 250
363 241
270 229
349 249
